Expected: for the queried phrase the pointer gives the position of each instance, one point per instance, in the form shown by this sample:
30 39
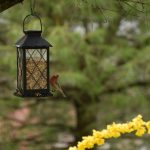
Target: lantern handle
34 15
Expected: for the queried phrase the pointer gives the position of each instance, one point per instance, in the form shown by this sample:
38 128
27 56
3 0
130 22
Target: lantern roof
32 39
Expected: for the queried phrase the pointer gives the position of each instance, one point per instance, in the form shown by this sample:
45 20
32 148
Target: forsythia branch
137 125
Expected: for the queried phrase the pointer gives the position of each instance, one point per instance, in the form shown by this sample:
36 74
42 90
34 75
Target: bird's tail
61 90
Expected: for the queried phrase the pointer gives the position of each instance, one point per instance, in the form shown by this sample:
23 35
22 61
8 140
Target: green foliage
106 77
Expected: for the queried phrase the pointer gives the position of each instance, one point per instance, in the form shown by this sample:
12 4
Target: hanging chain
32 7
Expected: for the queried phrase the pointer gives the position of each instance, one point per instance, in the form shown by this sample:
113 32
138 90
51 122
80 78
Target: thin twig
133 7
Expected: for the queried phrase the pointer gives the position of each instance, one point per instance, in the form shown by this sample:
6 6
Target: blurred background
101 50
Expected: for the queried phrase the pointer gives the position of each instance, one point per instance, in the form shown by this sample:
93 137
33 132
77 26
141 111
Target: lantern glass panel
36 69
20 69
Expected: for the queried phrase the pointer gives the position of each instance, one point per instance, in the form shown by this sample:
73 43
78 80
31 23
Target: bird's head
56 76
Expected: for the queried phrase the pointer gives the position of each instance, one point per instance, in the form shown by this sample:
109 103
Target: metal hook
34 15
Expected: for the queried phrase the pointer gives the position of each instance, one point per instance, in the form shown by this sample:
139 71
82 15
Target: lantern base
36 94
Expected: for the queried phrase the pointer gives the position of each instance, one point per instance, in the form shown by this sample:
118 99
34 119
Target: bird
55 84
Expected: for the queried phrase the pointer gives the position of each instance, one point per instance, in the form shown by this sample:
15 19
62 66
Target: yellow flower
73 148
114 131
141 131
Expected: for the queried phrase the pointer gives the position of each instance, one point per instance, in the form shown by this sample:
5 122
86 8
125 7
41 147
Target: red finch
55 85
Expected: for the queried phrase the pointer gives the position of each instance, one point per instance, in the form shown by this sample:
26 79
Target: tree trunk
86 119
5 4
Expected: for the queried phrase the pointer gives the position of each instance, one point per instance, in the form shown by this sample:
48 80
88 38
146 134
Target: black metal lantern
33 64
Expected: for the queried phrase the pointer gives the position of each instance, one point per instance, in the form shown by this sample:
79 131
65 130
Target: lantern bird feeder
33 63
